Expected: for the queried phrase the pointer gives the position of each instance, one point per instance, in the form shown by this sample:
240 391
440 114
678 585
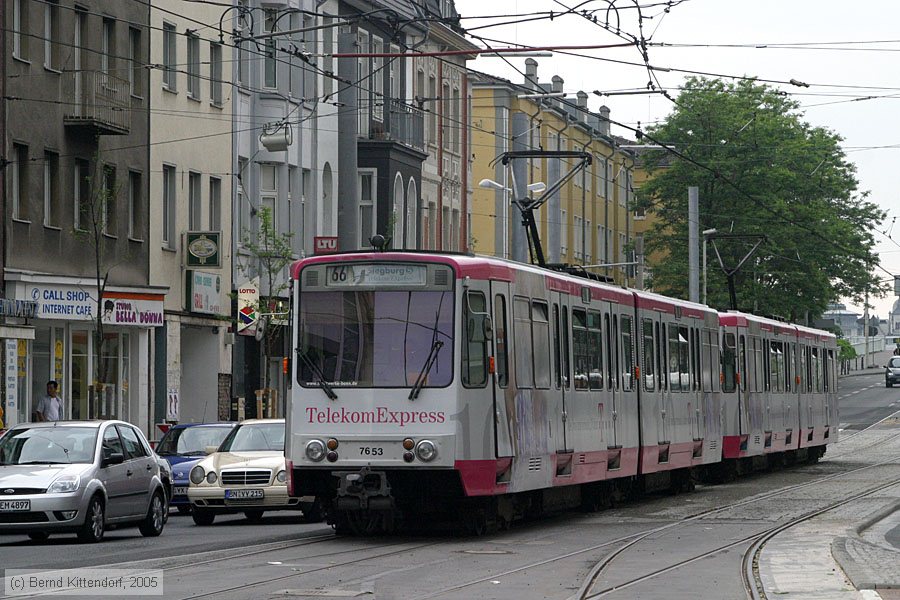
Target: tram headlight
426 450
197 475
315 450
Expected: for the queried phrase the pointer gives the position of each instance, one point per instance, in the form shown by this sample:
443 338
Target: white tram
448 386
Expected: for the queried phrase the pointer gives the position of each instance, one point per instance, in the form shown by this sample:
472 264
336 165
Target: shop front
100 377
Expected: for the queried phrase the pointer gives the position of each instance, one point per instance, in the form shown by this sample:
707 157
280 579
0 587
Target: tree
768 172
270 253
96 219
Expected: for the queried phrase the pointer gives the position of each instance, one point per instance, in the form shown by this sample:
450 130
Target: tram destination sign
376 275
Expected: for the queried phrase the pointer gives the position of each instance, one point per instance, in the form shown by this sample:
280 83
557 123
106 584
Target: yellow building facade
587 221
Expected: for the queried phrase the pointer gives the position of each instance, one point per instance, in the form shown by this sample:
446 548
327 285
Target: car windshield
189 441
48 445
255 437
375 338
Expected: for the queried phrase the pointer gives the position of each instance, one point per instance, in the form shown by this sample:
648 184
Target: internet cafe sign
75 303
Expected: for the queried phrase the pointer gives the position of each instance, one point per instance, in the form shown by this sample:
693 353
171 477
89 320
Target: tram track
757 540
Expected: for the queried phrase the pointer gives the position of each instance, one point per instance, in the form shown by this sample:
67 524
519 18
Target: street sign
248 301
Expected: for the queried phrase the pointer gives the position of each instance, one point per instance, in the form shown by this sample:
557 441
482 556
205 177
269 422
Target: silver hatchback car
79 477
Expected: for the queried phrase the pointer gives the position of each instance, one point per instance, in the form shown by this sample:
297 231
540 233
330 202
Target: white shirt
51 408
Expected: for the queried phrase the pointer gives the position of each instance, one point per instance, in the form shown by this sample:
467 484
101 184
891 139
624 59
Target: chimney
582 104
531 76
556 85
594 121
604 120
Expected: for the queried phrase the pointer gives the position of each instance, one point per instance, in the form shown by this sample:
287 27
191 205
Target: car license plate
15 505
179 490
243 494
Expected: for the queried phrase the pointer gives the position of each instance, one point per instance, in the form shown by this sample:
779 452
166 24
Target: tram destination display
376 275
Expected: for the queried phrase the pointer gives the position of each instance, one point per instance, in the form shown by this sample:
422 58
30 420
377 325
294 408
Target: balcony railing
406 126
98 101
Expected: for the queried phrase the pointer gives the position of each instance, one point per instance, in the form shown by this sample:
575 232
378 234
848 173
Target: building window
445 228
412 201
588 256
20 26
445 115
243 205
576 250
420 96
169 207
51 34
563 234
136 70
215 204
170 57
432 111
241 55
362 91
109 207
399 212
396 71
270 66
82 191
455 124
367 194
195 209
193 66
135 195
327 59
432 226
18 182
378 80
310 42
215 73
454 231
268 188
51 189
108 46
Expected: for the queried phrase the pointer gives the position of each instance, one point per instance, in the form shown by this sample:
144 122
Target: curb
868 575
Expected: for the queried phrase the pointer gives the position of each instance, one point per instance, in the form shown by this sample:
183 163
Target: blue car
184 446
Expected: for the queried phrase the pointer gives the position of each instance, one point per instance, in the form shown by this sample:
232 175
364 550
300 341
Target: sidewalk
877 362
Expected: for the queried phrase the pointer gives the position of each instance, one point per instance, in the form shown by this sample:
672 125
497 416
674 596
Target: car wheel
153 523
254 516
184 509
203 516
39 536
94 522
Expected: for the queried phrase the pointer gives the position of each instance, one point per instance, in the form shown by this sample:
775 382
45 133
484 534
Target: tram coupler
363 490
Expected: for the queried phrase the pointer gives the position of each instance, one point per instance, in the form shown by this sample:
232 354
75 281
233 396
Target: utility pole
693 244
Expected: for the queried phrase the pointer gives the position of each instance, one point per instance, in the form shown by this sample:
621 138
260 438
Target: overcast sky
828 67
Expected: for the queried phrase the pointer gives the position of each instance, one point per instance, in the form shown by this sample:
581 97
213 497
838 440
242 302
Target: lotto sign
248 300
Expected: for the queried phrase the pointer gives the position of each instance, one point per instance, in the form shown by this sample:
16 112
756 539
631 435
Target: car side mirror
113 458
211 449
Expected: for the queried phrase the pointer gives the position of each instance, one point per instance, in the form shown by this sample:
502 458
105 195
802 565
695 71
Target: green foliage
803 196
846 351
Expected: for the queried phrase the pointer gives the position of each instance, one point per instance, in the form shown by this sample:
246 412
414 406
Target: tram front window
375 338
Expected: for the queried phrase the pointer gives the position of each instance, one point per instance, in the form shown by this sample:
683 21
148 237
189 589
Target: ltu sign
325 244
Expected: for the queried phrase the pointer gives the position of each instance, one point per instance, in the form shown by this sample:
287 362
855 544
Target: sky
846 52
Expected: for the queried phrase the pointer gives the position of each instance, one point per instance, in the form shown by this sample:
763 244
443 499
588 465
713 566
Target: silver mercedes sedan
78 477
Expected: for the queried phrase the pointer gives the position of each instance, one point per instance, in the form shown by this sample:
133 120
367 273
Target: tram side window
788 366
817 368
648 356
754 348
540 325
684 359
829 372
698 371
743 364
581 349
565 352
609 354
627 354
728 363
474 350
661 356
500 341
805 368
595 349
708 350
557 343
522 350
674 373
773 366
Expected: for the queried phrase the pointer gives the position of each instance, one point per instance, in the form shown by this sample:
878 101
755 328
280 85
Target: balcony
96 102
406 126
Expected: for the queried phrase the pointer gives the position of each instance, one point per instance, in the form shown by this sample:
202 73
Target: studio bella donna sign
132 309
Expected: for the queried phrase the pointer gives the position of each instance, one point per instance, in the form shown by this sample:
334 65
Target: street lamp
706 234
537 186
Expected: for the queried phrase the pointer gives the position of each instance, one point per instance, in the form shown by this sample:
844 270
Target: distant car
79 477
247 474
183 446
892 371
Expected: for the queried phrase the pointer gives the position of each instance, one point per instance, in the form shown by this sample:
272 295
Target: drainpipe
4 148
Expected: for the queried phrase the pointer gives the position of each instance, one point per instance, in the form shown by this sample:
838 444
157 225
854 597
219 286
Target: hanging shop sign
10 382
247 307
141 310
325 244
202 249
22 309
204 292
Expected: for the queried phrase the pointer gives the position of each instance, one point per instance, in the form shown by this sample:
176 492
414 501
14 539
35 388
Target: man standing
50 407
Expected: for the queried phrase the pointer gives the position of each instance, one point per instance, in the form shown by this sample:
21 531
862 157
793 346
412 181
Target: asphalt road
547 558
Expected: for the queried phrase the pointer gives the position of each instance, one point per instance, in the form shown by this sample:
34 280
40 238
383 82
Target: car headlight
211 477
315 450
197 475
65 484
426 450
281 477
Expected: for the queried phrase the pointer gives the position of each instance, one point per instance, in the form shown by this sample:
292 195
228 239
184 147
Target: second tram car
461 387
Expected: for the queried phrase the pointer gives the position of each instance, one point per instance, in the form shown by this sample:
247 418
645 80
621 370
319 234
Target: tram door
612 360
502 387
559 343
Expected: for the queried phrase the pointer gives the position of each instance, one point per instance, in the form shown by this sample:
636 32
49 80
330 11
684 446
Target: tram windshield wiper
317 373
426 368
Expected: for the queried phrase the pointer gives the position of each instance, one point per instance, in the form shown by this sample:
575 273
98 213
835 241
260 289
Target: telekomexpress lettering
381 415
